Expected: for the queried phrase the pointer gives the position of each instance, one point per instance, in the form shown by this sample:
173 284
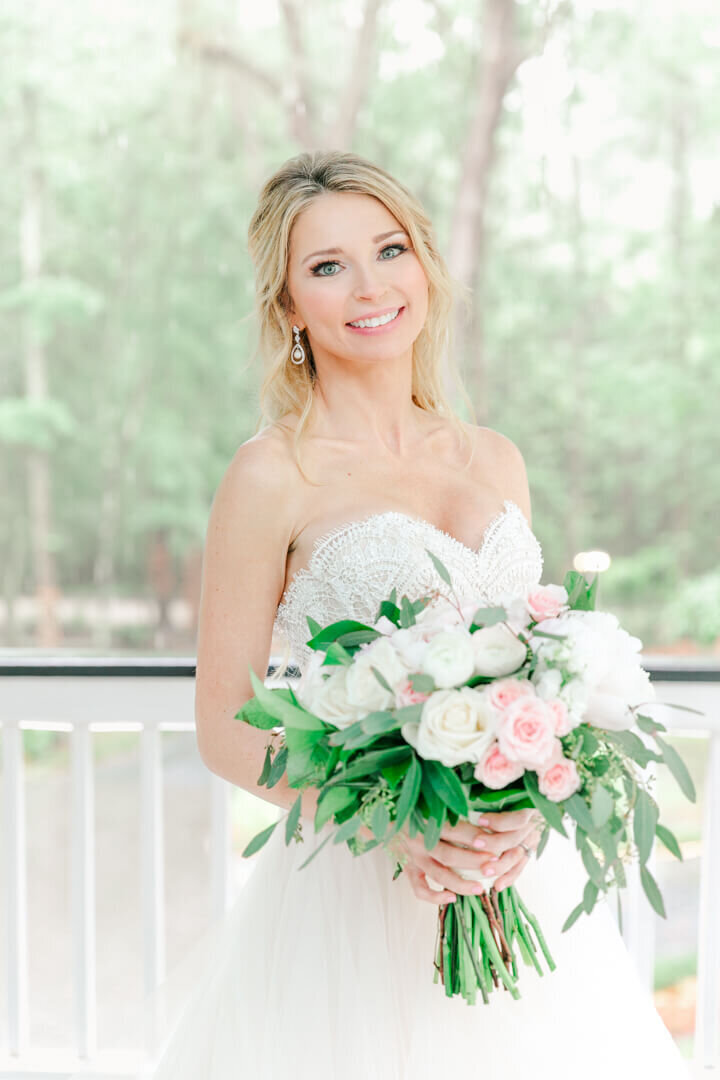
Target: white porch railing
83 697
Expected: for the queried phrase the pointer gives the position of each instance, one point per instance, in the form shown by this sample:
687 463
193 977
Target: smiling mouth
372 324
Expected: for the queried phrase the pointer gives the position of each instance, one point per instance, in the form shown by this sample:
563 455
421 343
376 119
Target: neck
367 403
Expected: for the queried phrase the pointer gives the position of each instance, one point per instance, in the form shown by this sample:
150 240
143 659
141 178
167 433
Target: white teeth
380 321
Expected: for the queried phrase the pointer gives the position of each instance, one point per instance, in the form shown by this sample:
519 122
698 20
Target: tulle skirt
326 972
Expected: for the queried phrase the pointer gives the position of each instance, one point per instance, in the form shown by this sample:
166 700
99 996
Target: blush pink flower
503 692
559 779
563 721
526 732
406 695
546 601
494 770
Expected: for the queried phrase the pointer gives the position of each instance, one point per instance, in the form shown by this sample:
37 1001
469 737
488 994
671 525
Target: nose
370 284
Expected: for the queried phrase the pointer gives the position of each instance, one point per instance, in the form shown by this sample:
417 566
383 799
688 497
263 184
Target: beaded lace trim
355 565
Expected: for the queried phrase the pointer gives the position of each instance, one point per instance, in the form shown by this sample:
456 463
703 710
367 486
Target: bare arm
248 533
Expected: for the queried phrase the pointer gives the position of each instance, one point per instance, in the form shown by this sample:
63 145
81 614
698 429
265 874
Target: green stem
489 943
538 932
524 935
468 943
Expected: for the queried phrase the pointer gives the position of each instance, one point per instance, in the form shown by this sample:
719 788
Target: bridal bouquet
440 711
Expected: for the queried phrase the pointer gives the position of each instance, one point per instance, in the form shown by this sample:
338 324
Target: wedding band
526 848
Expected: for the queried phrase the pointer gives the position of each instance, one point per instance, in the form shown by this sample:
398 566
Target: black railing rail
660 668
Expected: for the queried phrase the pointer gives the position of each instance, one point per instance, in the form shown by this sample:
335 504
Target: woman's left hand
507 864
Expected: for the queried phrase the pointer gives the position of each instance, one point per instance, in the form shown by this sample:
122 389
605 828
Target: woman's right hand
455 850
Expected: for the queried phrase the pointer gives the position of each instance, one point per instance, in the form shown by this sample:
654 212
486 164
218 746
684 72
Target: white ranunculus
497 650
605 660
449 658
454 726
439 614
547 684
324 693
411 643
363 689
518 617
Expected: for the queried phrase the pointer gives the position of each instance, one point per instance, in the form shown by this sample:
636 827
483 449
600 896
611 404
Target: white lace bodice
355 566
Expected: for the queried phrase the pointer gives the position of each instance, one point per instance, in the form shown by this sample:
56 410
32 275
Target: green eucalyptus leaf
347 829
652 891
550 810
669 840
278 767
447 786
379 820
578 809
645 816
266 766
408 794
440 567
257 841
292 819
602 806
573 917
677 767
330 801
590 895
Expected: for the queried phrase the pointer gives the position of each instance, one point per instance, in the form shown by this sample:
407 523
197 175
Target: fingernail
482 821
490 869
479 843
479 889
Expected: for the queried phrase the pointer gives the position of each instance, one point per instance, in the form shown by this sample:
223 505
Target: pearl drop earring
298 354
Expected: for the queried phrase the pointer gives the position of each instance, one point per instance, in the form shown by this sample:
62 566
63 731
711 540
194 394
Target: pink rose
503 692
559 779
494 770
526 731
406 695
546 601
563 723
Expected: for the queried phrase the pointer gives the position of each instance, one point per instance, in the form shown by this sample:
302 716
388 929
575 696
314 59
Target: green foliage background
600 320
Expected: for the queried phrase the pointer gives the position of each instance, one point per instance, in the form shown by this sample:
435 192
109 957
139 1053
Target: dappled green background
134 141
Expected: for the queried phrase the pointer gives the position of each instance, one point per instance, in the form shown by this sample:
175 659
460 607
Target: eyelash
333 262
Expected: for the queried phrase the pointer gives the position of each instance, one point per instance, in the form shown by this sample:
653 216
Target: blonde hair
287 387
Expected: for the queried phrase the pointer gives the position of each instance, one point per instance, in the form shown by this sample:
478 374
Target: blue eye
316 270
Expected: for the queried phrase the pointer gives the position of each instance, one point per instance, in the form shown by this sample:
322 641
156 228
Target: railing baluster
153 876
83 891
707 1016
16 891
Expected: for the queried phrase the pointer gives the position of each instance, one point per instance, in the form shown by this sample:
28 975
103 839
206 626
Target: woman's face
372 271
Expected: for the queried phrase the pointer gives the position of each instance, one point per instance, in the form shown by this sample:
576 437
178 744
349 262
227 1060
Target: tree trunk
498 61
36 390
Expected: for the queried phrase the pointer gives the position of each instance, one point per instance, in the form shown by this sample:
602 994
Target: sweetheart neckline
509 505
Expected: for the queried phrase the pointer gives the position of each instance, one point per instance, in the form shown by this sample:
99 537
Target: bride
327 971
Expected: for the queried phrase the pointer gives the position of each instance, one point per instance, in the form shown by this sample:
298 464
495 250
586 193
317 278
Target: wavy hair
287 387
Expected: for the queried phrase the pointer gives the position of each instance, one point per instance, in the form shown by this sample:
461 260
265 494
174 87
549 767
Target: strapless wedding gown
326 973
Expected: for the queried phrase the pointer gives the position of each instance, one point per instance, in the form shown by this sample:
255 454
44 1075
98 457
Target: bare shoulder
262 468
506 463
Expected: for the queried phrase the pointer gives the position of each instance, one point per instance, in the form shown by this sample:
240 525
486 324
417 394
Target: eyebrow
338 251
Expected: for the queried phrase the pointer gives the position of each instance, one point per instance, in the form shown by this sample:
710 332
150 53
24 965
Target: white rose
363 689
449 658
326 695
385 625
497 650
455 726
